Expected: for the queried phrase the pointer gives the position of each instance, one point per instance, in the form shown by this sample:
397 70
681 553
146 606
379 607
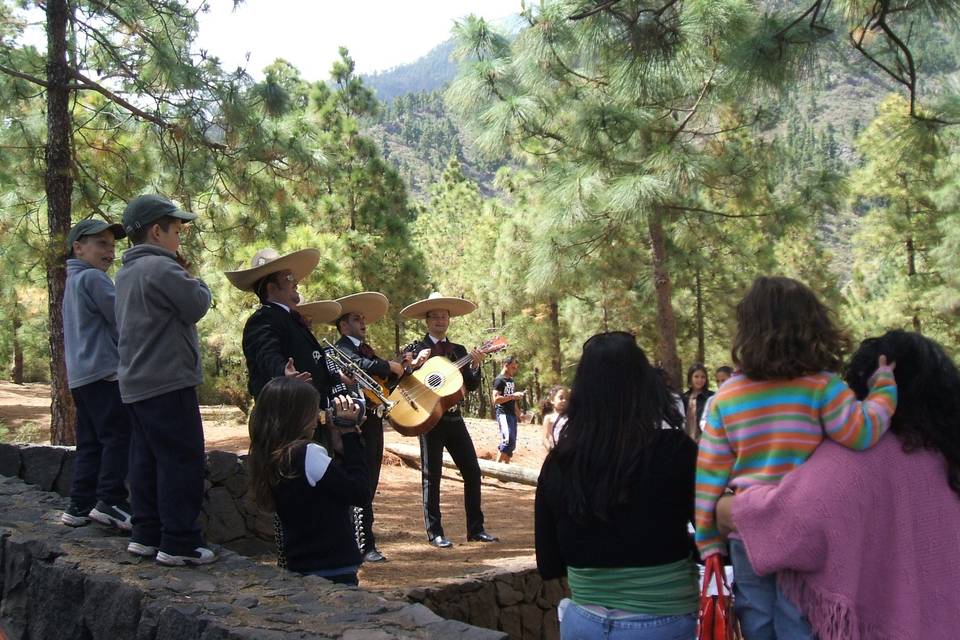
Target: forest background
591 166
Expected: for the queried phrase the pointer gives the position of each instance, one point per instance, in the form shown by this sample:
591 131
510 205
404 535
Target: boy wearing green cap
158 305
97 490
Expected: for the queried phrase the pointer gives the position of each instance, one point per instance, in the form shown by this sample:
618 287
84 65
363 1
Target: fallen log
498 470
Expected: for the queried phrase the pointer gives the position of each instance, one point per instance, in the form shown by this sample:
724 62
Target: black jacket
270 337
374 366
317 521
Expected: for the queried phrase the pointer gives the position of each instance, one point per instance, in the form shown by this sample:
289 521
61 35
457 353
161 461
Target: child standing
768 419
506 408
158 306
97 490
312 494
554 421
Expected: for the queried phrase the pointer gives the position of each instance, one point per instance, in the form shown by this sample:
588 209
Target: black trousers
450 433
103 445
372 434
166 471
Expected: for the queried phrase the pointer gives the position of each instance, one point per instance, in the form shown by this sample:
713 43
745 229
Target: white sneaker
201 555
113 515
142 550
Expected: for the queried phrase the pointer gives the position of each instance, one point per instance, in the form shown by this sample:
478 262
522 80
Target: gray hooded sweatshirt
158 306
89 324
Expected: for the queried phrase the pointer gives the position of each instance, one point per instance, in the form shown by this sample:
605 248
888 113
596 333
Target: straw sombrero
321 311
371 304
456 306
267 261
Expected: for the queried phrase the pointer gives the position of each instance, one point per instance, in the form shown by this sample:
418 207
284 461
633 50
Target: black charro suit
450 433
271 336
372 432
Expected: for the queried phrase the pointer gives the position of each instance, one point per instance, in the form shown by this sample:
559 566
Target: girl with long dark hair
312 493
614 499
695 398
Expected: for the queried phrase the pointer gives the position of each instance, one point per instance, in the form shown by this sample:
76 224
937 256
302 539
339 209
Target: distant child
770 416
97 490
553 422
506 403
695 398
721 375
311 493
158 306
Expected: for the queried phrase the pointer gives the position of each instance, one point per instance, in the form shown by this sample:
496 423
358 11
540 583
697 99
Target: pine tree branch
24 76
603 6
693 110
677 207
89 85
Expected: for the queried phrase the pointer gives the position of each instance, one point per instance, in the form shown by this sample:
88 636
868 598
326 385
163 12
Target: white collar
356 342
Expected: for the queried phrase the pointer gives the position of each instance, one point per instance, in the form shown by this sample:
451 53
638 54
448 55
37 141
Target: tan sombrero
456 306
267 261
321 311
371 304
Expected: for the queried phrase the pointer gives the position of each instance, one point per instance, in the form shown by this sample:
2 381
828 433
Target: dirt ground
398 507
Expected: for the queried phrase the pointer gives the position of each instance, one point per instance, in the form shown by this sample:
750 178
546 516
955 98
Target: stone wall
513 599
228 516
81 584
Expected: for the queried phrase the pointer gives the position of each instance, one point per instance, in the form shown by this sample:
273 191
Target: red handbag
716 619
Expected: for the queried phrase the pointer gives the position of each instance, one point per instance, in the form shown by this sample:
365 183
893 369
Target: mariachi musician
356 311
277 340
450 431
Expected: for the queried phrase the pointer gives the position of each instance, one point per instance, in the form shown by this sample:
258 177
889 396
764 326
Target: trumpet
371 388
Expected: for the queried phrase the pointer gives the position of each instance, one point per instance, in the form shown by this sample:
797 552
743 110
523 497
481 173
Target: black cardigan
649 529
317 521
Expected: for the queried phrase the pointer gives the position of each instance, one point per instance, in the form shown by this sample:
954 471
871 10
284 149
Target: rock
41 465
531 618
179 622
221 465
9 460
62 484
236 484
550 625
511 621
111 608
49 614
506 594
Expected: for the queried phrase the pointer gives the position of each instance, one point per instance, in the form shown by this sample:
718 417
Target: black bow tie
299 319
366 351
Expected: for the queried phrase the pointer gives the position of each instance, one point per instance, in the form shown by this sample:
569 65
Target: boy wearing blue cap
158 306
97 491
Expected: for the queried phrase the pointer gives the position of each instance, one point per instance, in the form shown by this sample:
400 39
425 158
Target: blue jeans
508 433
583 624
763 611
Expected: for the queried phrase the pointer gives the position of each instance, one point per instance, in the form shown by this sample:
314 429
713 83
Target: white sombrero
456 306
267 261
321 311
371 304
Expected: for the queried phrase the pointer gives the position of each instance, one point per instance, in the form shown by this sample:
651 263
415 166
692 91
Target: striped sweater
759 430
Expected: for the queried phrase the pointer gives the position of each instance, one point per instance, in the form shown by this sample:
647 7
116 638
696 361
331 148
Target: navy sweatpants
103 445
166 471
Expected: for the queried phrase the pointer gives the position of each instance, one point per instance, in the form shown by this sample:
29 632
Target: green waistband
661 590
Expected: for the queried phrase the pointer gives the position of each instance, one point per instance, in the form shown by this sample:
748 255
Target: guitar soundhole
434 380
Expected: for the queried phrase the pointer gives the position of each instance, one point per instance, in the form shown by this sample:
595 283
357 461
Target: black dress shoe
483 536
374 556
441 542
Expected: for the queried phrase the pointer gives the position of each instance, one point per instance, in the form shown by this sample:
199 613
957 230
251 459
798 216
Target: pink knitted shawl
866 544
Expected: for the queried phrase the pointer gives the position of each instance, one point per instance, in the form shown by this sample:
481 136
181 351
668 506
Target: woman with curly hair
614 499
866 543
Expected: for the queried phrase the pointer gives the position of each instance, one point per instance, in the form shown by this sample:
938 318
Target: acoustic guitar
421 398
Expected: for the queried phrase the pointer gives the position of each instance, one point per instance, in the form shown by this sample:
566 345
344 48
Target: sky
380 34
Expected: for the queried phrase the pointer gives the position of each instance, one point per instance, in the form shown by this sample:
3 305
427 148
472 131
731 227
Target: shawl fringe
830 615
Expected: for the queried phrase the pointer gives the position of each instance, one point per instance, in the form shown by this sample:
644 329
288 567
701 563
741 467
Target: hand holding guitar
477 356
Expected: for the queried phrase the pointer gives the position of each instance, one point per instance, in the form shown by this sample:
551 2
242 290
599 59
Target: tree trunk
16 373
556 358
58 182
666 320
701 348
911 272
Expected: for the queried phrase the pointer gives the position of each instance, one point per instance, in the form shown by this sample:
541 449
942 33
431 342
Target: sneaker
142 550
75 515
115 515
200 555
